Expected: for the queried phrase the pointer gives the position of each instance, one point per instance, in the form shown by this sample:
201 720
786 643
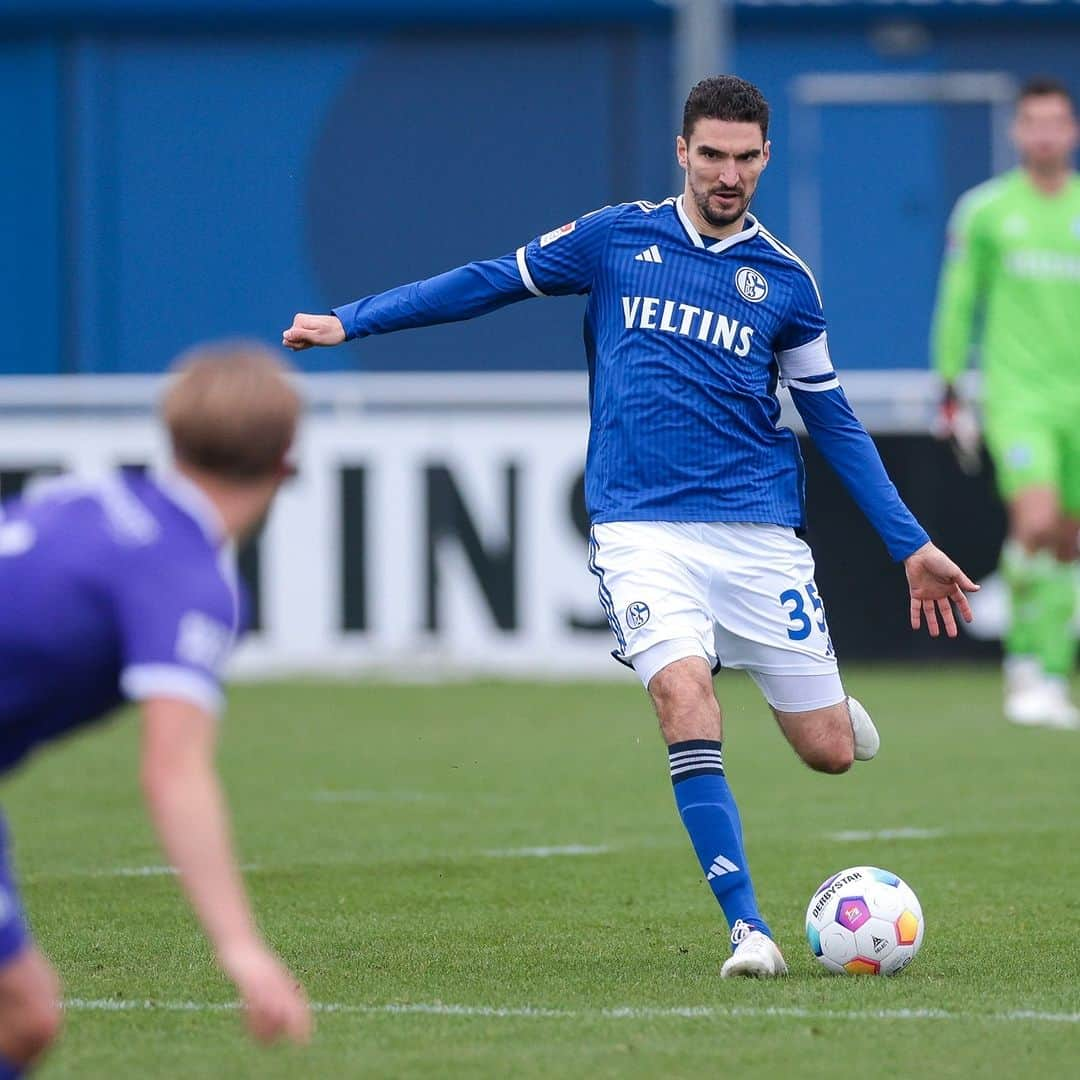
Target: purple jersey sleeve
178 622
565 260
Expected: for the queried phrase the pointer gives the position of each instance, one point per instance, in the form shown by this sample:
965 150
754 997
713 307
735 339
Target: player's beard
721 220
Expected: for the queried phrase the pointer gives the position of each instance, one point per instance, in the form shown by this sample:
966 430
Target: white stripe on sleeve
141 681
526 277
814 388
810 358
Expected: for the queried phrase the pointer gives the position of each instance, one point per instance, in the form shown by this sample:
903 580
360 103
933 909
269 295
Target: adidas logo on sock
650 254
720 867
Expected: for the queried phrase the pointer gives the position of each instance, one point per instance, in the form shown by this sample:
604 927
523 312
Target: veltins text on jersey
653 313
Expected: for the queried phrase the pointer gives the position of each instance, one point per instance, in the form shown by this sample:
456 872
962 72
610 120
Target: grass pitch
491 880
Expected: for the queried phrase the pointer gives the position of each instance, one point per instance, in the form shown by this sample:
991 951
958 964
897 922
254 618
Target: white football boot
1022 673
1060 711
867 739
1027 708
755 957
1042 703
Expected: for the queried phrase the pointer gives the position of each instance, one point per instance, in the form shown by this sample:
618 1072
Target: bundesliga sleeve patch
202 641
562 230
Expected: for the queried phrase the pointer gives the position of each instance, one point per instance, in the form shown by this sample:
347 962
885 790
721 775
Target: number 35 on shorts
801 622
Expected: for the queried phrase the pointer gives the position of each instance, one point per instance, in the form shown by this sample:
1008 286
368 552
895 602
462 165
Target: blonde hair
231 410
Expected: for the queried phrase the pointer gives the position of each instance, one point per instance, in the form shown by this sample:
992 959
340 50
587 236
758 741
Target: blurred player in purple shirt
124 588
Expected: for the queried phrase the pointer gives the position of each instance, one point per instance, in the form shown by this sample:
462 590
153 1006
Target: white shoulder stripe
649 207
785 250
526 277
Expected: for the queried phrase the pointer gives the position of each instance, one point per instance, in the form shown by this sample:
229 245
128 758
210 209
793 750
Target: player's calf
689 715
823 738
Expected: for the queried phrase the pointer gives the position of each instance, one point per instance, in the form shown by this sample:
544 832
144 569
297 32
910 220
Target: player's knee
680 691
685 704
833 759
684 682
829 755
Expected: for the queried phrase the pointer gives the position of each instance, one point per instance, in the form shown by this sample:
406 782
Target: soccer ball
864 921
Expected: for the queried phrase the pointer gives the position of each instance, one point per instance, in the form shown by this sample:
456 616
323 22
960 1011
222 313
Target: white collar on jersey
191 498
750 230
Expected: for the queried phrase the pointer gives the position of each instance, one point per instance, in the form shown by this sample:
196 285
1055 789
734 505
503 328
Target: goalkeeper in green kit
1012 270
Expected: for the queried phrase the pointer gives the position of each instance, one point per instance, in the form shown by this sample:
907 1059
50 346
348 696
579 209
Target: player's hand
308 330
274 1001
936 583
957 423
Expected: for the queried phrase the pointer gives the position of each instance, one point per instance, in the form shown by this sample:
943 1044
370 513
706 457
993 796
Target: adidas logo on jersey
687 320
650 254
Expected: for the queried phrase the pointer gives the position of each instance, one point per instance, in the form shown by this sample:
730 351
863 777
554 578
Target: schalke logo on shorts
751 284
637 615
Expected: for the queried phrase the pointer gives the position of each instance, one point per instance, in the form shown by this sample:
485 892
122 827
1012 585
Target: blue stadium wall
183 170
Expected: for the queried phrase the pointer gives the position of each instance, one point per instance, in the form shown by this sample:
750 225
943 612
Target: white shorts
737 595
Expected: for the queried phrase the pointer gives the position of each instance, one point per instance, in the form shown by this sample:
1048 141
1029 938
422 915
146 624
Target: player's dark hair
231 410
1045 86
725 97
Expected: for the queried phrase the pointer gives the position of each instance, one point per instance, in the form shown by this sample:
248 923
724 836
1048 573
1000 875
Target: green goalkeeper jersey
1013 262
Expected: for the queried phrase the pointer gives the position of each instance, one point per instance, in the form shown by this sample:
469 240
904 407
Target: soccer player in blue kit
123 587
696 316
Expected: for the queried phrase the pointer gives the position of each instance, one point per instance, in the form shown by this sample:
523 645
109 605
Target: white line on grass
625 1012
366 796
888 834
138 871
252 868
547 852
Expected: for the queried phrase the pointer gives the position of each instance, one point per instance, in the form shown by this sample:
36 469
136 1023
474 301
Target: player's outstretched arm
935 583
309 330
557 264
463 293
188 810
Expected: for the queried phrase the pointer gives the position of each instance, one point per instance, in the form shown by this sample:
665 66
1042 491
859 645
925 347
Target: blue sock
709 813
9 1071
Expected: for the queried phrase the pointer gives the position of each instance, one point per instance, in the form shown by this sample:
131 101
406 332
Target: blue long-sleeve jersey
688 341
